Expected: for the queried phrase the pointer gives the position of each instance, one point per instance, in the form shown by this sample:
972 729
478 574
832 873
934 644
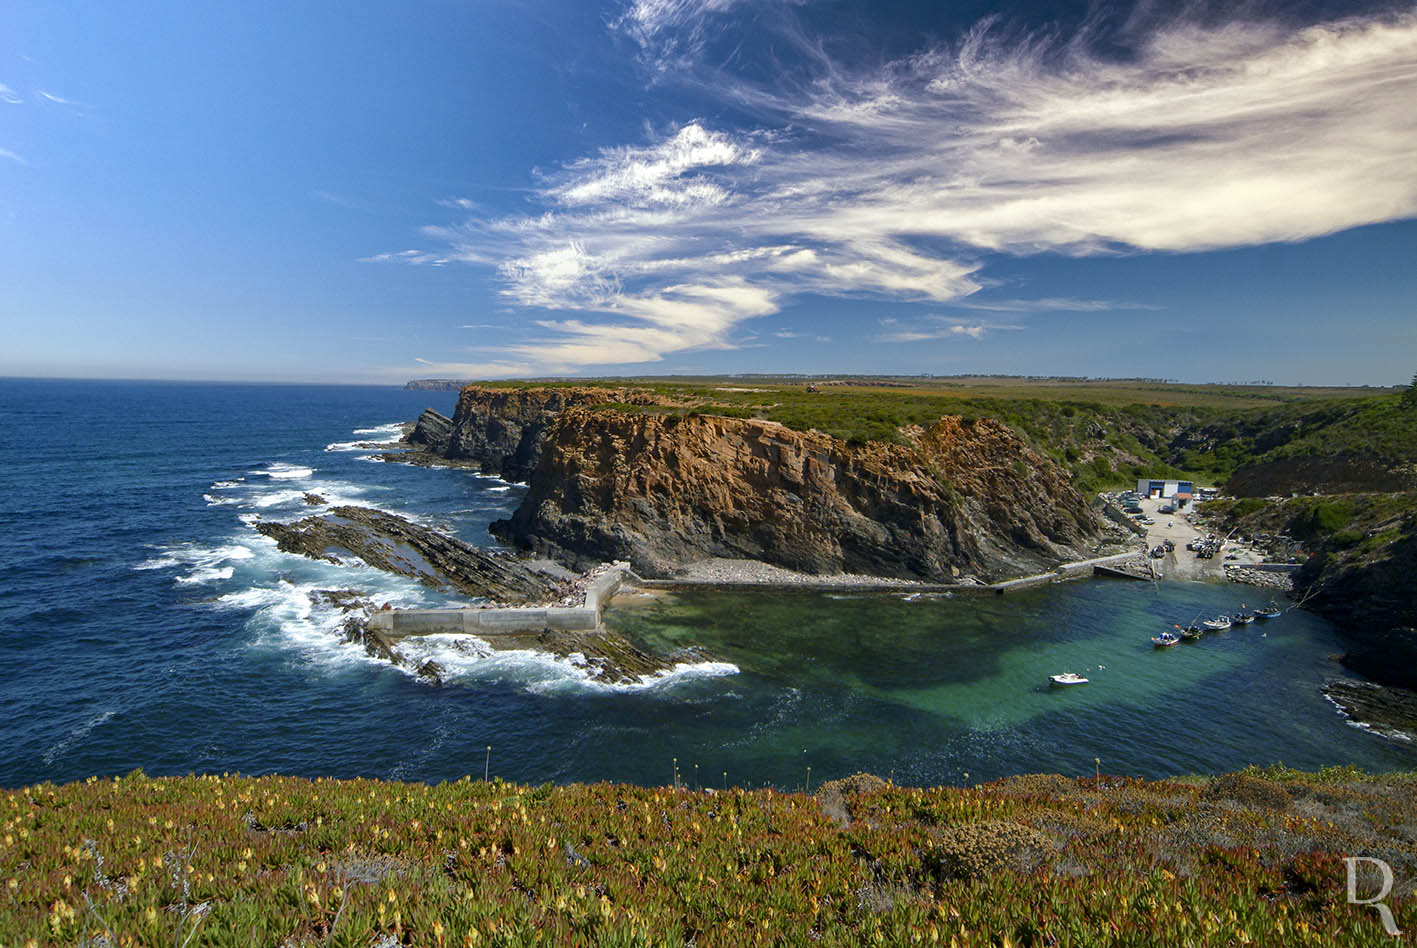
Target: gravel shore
727 572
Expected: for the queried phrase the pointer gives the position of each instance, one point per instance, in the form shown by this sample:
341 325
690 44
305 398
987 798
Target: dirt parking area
1180 563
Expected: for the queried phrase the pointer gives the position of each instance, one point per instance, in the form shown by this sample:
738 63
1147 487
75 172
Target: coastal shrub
1248 791
1247 506
1347 538
1328 516
984 850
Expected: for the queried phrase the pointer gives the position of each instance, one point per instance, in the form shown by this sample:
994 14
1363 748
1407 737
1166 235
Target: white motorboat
1217 624
1067 678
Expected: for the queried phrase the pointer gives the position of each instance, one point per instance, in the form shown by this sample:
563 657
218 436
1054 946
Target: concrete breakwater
394 624
400 623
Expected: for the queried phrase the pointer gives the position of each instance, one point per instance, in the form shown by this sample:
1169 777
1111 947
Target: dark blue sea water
144 623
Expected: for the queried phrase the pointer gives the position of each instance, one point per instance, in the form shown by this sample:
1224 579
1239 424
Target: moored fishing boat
1218 624
1067 678
1243 618
1191 633
1270 611
1165 639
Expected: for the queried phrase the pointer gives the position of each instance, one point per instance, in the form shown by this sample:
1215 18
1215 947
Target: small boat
1218 624
1165 639
1270 611
1191 633
1243 618
1067 678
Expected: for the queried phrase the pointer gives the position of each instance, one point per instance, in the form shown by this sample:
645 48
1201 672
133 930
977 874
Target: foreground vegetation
1253 858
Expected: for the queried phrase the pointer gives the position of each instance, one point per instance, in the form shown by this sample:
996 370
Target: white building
1181 490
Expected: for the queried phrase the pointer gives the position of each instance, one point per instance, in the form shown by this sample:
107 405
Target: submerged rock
391 543
606 655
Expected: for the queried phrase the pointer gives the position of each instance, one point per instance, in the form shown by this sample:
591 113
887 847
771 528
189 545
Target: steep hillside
663 490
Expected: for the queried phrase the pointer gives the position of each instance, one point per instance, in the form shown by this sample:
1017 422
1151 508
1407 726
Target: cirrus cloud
895 183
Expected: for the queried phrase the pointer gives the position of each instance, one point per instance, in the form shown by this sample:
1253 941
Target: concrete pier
396 624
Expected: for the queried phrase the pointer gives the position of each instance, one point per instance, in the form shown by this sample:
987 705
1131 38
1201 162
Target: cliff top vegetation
1106 432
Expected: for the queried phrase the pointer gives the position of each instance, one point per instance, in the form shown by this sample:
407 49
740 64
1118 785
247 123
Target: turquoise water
936 688
144 622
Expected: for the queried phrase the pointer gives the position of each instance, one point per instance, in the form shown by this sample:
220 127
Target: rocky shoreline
397 545
1381 709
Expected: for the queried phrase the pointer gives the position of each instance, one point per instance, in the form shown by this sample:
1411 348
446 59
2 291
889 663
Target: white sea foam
383 434
276 498
200 557
468 657
158 562
206 574
288 616
280 471
392 431
228 485
373 458
214 501
59 748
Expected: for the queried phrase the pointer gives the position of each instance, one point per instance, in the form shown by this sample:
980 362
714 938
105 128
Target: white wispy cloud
9 96
412 257
943 329
1052 304
55 99
894 183
11 156
671 34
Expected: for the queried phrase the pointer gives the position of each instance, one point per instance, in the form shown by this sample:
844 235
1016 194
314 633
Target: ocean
144 623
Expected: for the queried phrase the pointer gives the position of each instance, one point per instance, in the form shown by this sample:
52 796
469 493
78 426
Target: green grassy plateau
1252 858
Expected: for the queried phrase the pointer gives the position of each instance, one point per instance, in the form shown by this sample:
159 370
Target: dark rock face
501 430
1371 599
1330 474
662 491
431 432
391 543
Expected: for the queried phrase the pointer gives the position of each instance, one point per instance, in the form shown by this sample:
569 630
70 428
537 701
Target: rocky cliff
662 490
1369 595
501 430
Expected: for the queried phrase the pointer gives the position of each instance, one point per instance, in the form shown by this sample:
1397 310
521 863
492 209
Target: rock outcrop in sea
391 543
613 474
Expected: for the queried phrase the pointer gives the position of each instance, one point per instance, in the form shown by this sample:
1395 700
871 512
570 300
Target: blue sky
481 188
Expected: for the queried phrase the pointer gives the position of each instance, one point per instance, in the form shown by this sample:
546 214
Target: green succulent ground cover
1252 858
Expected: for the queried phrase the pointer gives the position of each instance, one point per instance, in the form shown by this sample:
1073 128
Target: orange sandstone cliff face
662 490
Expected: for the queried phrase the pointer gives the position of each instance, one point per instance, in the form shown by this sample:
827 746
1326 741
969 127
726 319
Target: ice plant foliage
1249 859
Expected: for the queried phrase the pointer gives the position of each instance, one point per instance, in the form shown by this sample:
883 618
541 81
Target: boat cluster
1190 633
1220 623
